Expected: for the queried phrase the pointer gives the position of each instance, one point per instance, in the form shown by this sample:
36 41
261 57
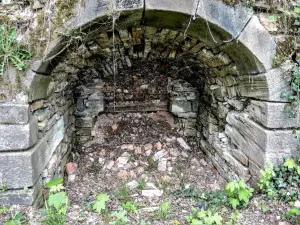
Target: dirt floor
142 159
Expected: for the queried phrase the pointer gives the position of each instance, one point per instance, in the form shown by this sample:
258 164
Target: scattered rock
148 153
148 147
129 147
183 144
140 170
71 168
101 161
283 223
174 152
138 150
132 184
72 178
123 174
203 162
159 155
148 209
152 193
184 154
150 186
297 204
109 165
123 159
195 162
158 146
162 165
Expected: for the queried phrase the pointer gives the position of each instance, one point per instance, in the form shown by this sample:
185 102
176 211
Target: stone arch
240 46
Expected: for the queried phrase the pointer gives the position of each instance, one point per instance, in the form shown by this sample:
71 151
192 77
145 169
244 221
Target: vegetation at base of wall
12 53
281 181
57 203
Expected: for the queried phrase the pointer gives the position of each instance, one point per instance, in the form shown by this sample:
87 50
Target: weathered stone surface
271 115
14 113
18 137
129 5
85 122
241 157
38 87
260 144
22 169
267 86
231 19
189 6
180 107
259 42
19 197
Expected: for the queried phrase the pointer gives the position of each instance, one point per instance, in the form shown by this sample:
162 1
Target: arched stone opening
229 122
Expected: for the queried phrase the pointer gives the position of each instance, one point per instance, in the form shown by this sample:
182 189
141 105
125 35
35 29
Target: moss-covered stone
284 49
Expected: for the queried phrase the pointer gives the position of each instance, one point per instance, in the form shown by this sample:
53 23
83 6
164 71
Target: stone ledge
189 6
18 137
14 113
271 115
20 197
22 169
259 144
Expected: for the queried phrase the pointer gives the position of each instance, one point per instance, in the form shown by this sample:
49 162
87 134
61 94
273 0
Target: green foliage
16 219
142 184
57 203
293 215
119 217
3 188
122 194
234 218
163 210
3 210
11 52
238 193
213 199
265 208
100 203
204 217
281 180
129 206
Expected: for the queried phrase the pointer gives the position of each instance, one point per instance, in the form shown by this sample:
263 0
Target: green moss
231 2
64 10
284 50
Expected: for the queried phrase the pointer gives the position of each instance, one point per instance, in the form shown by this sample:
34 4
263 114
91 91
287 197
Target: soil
132 142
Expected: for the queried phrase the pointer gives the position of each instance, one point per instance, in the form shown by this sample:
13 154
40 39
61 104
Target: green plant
204 217
119 217
3 188
57 203
3 210
144 223
238 193
142 184
265 208
282 181
129 206
234 218
293 215
163 210
11 52
99 203
123 193
16 219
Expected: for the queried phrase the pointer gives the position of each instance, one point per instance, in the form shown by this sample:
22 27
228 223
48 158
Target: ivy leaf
57 200
289 163
54 182
244 195
271 19
297 10
298 170
217 219
234 202
99 204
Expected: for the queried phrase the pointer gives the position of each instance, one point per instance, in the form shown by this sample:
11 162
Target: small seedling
100 203
119 217
163 210
129 206
265 208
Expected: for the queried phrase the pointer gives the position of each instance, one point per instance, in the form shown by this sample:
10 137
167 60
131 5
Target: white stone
297 204
109 165
152 193
183 144
162 165
174 152
184 154
158 155
132 184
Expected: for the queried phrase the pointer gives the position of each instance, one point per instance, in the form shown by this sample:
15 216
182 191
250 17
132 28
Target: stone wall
223 83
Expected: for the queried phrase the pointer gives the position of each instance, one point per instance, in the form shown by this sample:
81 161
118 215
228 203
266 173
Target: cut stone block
14 113
258 40
22 169
18 137
172 5
180 107
21 197
259 144
267 86
271 115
